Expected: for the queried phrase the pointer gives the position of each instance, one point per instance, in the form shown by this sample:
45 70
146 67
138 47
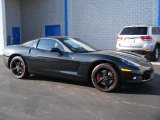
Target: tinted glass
32 43
134 31
76 45
156 31
48 44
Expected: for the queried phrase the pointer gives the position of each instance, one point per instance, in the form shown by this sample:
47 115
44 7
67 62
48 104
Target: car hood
126 55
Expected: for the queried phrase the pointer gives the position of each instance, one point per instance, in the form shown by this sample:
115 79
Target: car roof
57 37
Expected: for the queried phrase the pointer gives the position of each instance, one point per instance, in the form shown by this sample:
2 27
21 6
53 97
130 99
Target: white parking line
155 63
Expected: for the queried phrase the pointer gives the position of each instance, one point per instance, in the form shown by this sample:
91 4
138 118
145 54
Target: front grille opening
147 75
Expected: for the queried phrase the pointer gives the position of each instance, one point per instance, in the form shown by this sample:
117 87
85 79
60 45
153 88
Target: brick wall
13 17
99 21
38 13
95 21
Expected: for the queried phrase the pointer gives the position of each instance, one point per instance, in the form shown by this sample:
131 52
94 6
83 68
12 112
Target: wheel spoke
19 63
104 72
99 81
106 86
19 71
14 68
106 80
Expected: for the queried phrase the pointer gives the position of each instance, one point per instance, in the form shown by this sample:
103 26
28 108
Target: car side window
48 44
32 43
156 31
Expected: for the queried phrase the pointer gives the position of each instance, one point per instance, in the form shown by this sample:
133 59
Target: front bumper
144 74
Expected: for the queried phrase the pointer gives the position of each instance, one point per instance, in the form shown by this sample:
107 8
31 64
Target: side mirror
57 50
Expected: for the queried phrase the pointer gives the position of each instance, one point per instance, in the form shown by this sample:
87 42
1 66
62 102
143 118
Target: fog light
134 78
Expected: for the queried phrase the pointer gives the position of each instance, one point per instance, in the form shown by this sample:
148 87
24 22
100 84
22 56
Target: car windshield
76 45
134 31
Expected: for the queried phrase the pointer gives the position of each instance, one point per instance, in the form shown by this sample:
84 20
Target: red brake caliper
98 77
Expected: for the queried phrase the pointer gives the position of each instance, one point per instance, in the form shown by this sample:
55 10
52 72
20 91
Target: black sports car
70 58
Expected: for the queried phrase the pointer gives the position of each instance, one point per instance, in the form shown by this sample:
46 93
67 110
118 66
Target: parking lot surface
42 98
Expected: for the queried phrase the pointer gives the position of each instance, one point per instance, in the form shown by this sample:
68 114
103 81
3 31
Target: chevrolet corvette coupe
70 58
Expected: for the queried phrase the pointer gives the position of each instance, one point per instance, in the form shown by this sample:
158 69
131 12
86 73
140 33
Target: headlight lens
130 63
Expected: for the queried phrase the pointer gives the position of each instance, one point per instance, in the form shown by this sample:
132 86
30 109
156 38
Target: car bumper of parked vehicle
148 47
144 74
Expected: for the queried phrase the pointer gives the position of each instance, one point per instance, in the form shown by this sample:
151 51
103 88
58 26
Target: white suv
140 39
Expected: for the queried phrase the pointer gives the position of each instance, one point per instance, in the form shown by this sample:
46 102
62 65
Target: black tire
155 54
18 67
105 77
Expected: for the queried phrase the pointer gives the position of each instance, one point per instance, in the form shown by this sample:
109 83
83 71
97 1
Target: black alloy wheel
105 78
18 67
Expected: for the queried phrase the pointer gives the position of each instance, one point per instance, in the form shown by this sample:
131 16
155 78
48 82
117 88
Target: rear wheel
18 67
155 54
105 78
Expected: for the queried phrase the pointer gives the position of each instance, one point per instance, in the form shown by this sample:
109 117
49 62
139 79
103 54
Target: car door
48 62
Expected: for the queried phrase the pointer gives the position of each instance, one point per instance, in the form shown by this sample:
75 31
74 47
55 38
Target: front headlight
130 63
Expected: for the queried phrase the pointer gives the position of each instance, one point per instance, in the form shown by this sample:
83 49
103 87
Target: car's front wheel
18 67
105 77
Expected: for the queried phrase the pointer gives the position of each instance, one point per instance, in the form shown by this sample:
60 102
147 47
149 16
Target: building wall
37 14
99 21
13 17
95 21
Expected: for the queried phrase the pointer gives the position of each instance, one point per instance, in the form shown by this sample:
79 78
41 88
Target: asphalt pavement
42 98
